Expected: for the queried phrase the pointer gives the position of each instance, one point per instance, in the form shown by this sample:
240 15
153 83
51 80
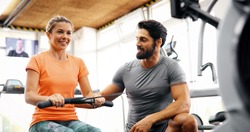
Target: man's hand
98 101
142 126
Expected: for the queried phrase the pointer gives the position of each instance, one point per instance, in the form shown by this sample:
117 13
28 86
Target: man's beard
146 54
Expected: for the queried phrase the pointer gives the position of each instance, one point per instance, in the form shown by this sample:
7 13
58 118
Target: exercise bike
214 121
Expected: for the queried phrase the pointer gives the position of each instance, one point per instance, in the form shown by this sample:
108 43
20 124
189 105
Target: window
160 11
128 23
108 61
107 36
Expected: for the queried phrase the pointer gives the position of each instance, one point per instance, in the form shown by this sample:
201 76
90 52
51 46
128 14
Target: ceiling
90 13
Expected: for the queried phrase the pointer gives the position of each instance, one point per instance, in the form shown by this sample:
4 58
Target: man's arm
109 92
88 93
181 104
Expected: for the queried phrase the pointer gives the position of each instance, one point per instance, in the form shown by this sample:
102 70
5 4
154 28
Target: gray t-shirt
148 90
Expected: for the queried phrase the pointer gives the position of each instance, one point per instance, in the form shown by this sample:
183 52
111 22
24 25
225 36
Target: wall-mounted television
18 47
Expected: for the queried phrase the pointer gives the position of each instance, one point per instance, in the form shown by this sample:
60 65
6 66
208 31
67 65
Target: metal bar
196 93
214 21
201 36
16 12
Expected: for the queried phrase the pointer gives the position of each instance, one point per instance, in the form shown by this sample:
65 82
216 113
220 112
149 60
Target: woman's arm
87 93
31 96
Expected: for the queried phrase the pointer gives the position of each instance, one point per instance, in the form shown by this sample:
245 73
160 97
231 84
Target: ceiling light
3 5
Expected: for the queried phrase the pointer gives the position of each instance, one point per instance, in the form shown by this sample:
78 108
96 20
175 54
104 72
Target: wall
84 46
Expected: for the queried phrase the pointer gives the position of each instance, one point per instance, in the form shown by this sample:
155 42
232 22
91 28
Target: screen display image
18 47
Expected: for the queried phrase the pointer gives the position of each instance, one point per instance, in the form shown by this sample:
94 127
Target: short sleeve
33 64
118 77
177 75
83 71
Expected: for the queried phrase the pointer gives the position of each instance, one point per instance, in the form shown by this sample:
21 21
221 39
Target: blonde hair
56 19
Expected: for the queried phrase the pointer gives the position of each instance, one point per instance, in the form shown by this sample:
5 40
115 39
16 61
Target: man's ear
159 42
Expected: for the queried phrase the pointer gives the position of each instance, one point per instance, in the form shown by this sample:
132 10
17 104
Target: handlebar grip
108 103
44 104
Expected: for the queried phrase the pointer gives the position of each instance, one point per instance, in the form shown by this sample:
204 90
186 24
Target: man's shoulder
25 54
12 51
168 61
132 64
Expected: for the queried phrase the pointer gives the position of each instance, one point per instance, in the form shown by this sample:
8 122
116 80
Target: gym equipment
214 121
76 100
12 86
232 56
234 66
169 48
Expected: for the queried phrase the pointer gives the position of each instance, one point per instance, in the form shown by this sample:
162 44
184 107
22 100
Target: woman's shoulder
73 57
40 55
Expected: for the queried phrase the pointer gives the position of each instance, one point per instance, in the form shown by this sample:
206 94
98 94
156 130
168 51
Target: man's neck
150 62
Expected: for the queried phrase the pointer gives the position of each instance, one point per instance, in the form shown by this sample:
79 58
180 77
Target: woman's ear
48 35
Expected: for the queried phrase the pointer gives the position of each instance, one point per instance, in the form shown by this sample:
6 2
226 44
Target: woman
53 75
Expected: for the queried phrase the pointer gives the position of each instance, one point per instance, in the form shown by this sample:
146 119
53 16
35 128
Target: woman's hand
57 100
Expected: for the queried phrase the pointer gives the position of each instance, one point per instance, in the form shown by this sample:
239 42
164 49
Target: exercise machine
232 55
76 100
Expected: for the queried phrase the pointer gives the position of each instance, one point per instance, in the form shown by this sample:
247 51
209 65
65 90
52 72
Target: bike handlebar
77 100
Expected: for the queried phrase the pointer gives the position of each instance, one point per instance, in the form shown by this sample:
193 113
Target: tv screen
18 47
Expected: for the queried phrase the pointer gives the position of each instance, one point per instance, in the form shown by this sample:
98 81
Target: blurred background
104 38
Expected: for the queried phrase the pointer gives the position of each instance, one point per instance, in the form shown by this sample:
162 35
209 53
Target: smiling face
145 44
60 35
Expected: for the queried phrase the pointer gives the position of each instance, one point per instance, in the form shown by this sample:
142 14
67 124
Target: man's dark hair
155 29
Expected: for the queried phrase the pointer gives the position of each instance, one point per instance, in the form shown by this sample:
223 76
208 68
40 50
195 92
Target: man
156 88
18 52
